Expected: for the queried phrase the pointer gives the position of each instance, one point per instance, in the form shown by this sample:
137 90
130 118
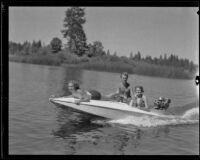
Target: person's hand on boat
52 96
77 102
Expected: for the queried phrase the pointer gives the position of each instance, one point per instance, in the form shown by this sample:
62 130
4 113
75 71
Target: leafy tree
95 49
155 60
35 46
38 44
114 57
90 50
191 66
14 47
148 59
56 45
74 30
98 48
27 48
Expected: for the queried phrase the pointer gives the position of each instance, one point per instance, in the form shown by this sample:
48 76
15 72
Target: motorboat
106 109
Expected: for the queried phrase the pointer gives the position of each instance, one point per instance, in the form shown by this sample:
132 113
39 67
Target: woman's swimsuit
138 102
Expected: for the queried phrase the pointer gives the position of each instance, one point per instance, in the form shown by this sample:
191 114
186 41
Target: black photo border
5 67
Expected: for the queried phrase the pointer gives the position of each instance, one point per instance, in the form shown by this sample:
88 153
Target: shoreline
95 66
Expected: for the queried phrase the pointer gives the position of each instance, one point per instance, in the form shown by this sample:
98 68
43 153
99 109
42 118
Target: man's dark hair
75 84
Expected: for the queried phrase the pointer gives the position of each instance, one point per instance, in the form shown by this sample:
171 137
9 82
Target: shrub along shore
104 63
78 53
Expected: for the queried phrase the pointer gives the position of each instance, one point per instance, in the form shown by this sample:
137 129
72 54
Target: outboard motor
162 103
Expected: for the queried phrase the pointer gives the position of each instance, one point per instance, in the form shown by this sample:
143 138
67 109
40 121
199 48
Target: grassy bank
35 59
104 64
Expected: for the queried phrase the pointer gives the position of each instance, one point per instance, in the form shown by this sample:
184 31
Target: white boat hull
106 109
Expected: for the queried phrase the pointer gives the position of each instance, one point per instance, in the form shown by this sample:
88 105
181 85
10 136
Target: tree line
97 50
75 36
171 60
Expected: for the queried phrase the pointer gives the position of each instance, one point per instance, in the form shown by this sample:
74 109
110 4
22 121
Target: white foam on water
191 114
189 117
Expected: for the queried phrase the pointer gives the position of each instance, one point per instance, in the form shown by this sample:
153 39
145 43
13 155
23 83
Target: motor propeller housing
162 103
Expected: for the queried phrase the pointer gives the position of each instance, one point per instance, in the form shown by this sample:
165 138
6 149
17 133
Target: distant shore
99 64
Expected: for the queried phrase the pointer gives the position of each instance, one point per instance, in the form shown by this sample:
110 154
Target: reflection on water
159 131
76 129
37 126
70 123
79 132
121 141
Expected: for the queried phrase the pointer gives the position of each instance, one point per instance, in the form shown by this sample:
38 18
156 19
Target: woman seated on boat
80 94
139 100
123 92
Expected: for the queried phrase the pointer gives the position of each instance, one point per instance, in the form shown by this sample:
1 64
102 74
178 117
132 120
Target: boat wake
190 116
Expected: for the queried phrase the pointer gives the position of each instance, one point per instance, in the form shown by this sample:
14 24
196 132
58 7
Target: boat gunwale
142 111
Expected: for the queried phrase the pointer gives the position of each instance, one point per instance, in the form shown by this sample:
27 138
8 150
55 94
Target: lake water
39 127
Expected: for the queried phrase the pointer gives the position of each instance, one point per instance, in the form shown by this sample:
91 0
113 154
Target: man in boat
80 94
123 92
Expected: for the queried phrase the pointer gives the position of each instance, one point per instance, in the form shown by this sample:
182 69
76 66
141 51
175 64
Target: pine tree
108 53
73 31
131 55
